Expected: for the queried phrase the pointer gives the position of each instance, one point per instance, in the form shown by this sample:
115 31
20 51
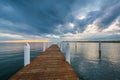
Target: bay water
85 59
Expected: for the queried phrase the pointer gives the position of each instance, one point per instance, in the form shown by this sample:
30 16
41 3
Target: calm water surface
89 65
12 57
85 59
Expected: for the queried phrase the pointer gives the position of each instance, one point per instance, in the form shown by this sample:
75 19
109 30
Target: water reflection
86 59
88 50
90 64
111 52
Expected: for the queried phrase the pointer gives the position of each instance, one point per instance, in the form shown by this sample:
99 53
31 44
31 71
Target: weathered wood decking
50 65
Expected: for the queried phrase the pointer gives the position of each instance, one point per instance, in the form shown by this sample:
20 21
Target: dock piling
61 46
75 47
68 53
44 46
99 49
26 54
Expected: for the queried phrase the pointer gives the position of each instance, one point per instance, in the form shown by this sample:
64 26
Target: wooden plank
50 65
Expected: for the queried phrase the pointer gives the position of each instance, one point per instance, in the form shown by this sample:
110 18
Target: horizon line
27 40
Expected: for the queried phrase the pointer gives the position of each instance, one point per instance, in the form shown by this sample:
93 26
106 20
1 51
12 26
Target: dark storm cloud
111 12
42 17
106 14
91 17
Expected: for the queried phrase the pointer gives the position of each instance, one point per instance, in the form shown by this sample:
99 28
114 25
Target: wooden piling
99 49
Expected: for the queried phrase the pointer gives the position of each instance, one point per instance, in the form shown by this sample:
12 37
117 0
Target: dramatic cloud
60 19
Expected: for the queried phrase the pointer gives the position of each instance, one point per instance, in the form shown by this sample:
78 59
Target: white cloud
59 29
71 36
114 27
93 31
11 35
52 36
80 13
92 28
70 25
62 28
79 17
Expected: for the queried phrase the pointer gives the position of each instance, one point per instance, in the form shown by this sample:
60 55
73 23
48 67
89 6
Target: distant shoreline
93 41
62 41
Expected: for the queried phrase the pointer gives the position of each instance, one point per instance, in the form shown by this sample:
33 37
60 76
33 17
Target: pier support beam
68 53
26 54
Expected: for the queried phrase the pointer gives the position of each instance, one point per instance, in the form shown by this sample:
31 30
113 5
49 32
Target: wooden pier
50 65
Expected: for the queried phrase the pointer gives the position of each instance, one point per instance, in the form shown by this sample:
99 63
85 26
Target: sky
60 19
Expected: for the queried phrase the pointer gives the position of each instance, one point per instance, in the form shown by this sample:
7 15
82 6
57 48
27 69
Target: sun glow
12 41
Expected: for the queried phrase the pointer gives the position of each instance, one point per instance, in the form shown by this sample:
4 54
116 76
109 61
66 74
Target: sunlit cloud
92 28
114 27
53 36
80 11
81 17
11 35
71 25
